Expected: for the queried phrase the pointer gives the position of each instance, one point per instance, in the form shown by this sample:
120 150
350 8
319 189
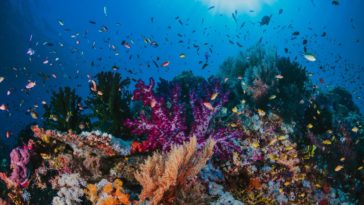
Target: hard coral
163 176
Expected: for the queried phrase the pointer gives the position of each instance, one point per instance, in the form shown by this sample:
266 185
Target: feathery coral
163 175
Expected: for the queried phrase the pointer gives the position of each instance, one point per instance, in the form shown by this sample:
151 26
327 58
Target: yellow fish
326 142
214 96
261 113
309 126
235 110
309 57
338 168
355 129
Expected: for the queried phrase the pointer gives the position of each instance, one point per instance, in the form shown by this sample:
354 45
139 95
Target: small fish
342 159
279 76
82 126
8 134
326 142
1 79
105 10
153 103
34 115
30 52
211 7
208 105
309 126
355 129
204 66
114 67
61 22
272 97
100 93
261 112
30 85
309 57
182 55
53 117
103 29
214 96
165 64
338 168
235 110
3 107
126 44
93 86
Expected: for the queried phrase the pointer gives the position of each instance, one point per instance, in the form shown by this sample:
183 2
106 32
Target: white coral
70 189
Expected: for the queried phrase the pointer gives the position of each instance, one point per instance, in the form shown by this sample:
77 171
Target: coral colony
254 134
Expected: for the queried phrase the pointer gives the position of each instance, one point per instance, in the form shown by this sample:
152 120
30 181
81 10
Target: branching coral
109 102
163 175
64 111
167 124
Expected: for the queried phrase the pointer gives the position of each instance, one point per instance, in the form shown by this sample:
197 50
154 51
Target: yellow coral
91 192
109 194
118 184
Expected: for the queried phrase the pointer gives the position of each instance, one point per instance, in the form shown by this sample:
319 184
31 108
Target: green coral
64 111
109 104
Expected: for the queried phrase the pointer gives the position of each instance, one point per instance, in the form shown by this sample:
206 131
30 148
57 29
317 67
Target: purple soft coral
168 126
19 157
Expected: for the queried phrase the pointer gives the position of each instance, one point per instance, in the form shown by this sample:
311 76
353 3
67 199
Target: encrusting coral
163 175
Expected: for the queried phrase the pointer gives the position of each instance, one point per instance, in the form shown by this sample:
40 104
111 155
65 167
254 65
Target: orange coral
161 176
109 194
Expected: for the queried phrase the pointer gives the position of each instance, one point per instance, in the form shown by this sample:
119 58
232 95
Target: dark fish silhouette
265 20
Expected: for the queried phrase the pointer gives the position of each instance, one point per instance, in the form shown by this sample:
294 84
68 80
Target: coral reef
109 102
64 111
260 135
162 176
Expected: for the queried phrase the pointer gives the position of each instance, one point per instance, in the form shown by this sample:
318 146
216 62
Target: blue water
340 52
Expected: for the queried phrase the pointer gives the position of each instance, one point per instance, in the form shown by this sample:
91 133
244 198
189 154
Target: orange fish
30 85
153 103
165 64
8 134
208 105
93 87
3 107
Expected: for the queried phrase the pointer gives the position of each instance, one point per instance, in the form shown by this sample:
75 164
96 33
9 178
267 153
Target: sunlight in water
229 6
